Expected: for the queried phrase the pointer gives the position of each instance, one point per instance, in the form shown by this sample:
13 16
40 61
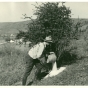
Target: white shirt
37 50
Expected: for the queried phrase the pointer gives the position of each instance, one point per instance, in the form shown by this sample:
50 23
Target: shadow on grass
66 59
41 76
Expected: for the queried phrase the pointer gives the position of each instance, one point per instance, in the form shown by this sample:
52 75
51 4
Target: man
35 54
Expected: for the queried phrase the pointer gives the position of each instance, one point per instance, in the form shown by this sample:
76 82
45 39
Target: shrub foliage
53 20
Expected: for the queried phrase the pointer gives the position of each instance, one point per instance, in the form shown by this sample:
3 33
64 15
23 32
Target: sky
12 11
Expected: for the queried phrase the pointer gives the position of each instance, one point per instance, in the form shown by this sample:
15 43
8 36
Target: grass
11 64
75 74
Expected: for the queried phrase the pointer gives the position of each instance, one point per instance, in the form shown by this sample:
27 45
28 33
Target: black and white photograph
44 43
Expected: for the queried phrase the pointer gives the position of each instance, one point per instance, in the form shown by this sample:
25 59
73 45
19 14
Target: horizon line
29 20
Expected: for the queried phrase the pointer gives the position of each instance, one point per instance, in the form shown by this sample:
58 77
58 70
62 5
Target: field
12 62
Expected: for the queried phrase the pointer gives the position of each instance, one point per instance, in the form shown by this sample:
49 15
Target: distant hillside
12 27
80 19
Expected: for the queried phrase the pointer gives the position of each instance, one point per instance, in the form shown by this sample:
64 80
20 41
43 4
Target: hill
12 27
76 72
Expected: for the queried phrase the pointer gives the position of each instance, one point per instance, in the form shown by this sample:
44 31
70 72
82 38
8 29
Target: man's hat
48 39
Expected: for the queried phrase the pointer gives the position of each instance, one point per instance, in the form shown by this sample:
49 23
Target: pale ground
55 72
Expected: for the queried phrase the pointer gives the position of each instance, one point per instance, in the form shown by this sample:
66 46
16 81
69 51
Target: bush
53 20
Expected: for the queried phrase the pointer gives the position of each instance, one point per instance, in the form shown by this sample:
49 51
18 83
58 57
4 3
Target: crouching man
34 57
41 52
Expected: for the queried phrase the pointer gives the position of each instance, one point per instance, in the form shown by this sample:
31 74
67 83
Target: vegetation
71 37
7 39
53 20
12 64
9 64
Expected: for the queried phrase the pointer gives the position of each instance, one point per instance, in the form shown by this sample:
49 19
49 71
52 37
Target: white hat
48 39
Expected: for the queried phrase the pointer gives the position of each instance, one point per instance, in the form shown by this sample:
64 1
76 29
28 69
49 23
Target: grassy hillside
12 27
12 66
12 61
76 73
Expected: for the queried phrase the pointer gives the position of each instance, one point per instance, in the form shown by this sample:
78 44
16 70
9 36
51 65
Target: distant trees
20 34
7 39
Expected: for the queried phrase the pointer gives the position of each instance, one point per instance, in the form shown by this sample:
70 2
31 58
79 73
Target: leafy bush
53 20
